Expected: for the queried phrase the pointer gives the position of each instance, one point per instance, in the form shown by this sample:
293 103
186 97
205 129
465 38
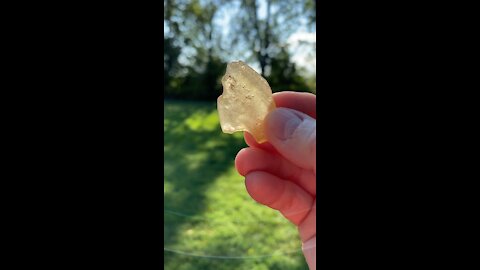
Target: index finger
302 102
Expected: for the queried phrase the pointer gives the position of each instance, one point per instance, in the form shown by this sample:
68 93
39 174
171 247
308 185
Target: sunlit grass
207 209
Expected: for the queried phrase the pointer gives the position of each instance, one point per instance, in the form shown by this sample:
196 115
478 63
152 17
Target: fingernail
282 123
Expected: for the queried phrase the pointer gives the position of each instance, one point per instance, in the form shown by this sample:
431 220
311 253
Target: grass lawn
210 221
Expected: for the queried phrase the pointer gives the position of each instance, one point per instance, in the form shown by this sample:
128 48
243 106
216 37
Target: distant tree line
196 48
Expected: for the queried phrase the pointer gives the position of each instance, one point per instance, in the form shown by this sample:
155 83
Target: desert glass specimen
245 102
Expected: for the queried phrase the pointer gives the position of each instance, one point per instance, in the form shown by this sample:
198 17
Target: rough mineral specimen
245 102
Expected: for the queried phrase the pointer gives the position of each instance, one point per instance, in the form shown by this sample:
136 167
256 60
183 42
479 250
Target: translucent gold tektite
245 102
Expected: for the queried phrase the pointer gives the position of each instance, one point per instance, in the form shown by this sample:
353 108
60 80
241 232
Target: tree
263 35
196 49
284 74
192 30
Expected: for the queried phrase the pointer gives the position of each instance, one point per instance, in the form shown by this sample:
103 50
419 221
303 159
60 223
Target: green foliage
284 75
199 83
196 51
170 62
207 209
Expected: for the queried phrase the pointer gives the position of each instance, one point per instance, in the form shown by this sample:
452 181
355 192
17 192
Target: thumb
294 136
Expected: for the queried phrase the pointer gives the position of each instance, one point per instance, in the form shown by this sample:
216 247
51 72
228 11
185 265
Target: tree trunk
266 57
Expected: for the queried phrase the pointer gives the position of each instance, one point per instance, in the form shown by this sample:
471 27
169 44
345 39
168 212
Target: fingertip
249 185
252 185
248 138
263 187
240 161
293 202
303 102
250 141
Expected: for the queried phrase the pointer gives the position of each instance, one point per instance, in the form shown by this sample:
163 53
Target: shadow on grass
196 153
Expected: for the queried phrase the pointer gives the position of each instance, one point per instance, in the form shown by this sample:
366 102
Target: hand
281 173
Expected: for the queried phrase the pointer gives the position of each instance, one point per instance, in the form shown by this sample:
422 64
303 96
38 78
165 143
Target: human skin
281 173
